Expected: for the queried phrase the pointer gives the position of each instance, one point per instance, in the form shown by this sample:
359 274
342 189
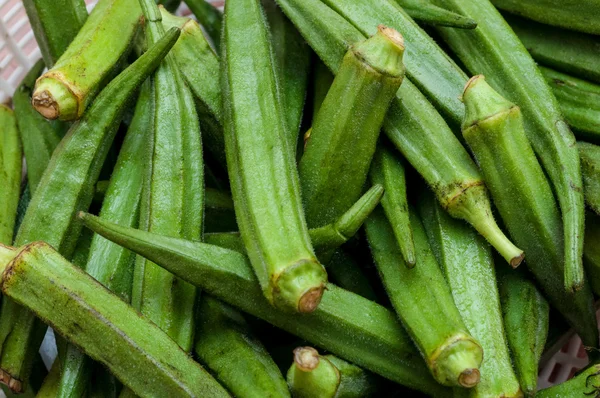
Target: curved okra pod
345 324
585 384
314 375
493 128
261 165
11 159
388 171
50 215
590 169
226 345
209 17
468 266
64 92
426 12
141 355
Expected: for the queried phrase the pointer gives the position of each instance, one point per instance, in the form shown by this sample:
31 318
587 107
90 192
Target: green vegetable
210 18
313 375
143 357
345 272
64 92
322 80
493 128
11 155
590 168
261 165
50 386
591 251
424 11
586 383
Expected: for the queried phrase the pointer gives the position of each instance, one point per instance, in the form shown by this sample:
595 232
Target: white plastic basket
19 51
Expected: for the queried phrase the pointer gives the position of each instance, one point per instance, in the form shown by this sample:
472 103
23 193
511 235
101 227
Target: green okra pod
64 92
591 251
142 356
345 272
388 171
11 159
209 17
261 165
65 188
226 345
590 169
584 384
326 376
322 80
426 12
345 324
493 128
468 266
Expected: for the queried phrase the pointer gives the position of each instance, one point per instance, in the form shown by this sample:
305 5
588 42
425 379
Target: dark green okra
388 170
413 125
65 188
209 17
468 266
64 92
591 251
589 154
345 272
55 23
226 345
493 128
219 214
141 355
345 324
585 384
11 159
326 376
494 49
426 12
424 303
170 5
261 165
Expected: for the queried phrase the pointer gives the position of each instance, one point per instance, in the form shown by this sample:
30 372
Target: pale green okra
11 159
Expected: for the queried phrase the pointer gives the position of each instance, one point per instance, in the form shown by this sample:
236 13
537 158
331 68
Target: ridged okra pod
494 49
493 128
342 141
426 12
585 384
65 188
468 265
11 159
388 170
326 376
64 92
590 169
591 251
261 165
345 324
55 23
227 346
141 355
424 304
413 125
209 17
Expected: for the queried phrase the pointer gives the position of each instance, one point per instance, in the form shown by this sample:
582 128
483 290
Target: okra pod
50 386
142 356
388 171
591 251
493 128
590 169
322 81
424 303
468 266
11 159
314 375
424 11
209 17
585 384
226 345
64 92
276 238
345 324
65 188
55 23
345 272
494 49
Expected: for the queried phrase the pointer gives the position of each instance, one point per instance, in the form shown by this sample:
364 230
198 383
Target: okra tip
306 358
299 288
54 99
482 102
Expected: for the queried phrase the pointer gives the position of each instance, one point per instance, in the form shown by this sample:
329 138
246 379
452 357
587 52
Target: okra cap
54 99
383 51
312 375
299 287
482 102
457 362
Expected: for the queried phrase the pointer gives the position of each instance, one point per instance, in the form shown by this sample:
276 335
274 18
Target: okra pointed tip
306 358
469 378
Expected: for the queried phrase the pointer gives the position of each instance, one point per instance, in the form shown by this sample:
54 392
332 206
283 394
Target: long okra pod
142 356
426 12
494 49
261 165
11 159
226 345
585 384
314 375
64 92
468 265
590 169
345 324
493 128
65 188
209 17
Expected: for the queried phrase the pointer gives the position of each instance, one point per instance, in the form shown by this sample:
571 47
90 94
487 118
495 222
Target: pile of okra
302 198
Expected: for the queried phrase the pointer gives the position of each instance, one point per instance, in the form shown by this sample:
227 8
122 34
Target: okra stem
11 159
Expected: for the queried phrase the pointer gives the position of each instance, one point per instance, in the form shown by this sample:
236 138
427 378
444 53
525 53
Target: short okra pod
64 92
584 384
325 376
590 170
142 356
209 17
262 167
426 12
11 159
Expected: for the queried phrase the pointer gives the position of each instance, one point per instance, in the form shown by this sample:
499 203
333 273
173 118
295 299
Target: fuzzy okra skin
261 165
142 356
591 250
55 23
493 128
226 345
50 215
314 375
590 168
585 384
209 17
424 11
11 159
413 125
345 324
64 92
